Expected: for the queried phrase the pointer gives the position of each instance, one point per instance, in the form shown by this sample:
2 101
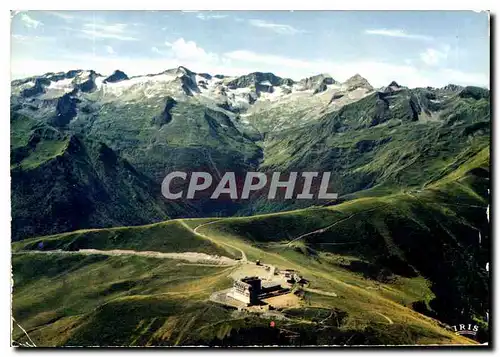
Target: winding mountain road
322 230
385 317
195 230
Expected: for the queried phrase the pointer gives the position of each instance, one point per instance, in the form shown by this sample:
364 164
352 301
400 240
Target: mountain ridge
183 70
185 121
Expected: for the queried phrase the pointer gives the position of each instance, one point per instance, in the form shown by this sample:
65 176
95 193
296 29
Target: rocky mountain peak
392 87
357 81
184 70
317 83
255 78
117 76
179 71
356 77
452 87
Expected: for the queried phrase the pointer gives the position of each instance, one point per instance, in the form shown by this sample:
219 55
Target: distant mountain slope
391 139
61 183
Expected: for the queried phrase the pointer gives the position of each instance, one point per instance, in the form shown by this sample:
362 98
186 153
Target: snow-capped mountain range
246 95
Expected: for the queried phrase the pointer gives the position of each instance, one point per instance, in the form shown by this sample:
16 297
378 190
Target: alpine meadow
398 254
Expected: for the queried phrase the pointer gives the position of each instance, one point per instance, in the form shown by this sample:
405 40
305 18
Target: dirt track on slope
321 292
243 255
192 257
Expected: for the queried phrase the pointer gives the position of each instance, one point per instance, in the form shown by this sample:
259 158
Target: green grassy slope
408 234
390 260
138 301
168 237
96 300
385 142
61 182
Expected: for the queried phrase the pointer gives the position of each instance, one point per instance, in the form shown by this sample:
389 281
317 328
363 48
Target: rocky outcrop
117 76
88 85
65 110
38 88
475 93
188 85
318 83
63 75
166 116
452 88
205 75
392 87
258 78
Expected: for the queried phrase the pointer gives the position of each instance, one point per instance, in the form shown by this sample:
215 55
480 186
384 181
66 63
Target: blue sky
415 48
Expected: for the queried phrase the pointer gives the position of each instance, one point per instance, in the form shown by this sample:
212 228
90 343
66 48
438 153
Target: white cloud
28 40
24 67
434 57
65 17
378 73
111 31
239 62
30 22
278 28
110 50
189 50
205 16
108 28
466 78
249 56
397 33
20 38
